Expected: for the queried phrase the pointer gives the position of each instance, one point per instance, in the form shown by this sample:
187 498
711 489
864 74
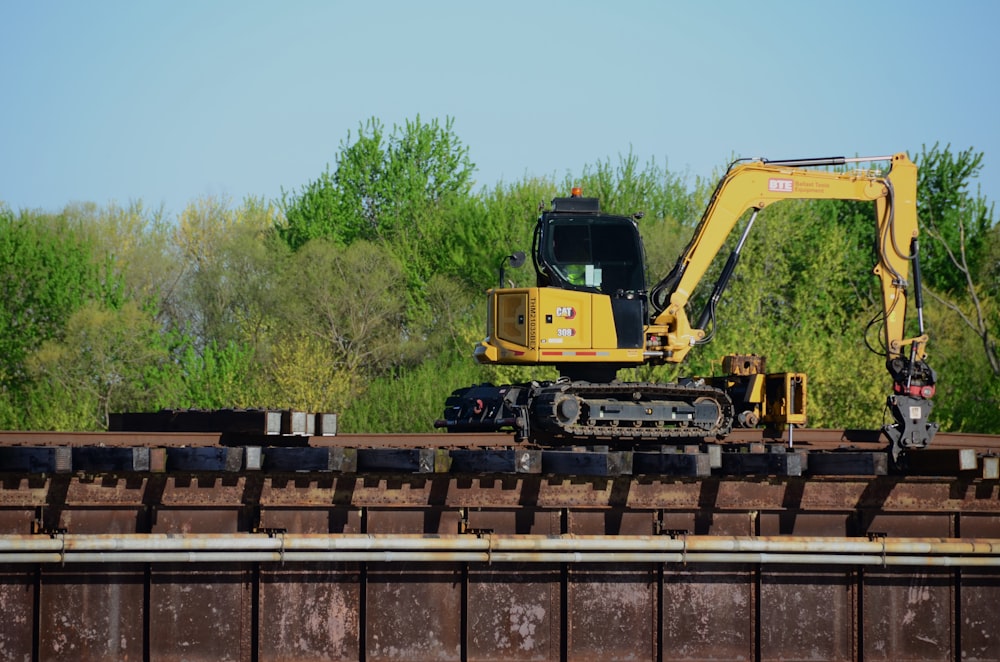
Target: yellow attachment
776 399
785 399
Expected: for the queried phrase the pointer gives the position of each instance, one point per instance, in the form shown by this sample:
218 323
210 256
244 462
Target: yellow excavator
591 313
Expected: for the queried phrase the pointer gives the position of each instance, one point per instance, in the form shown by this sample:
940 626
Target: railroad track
800 452
804 439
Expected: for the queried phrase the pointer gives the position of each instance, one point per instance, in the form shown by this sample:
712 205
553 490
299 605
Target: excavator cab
579 248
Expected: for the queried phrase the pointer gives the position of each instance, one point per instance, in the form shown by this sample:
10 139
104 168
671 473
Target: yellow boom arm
758 184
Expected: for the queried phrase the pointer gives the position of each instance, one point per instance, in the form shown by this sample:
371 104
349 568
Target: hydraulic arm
755 185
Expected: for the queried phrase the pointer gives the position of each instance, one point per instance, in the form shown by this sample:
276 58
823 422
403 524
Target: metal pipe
214 548
868 159
333 542
684 558
825 161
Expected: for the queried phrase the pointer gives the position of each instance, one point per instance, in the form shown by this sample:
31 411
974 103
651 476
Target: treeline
362 292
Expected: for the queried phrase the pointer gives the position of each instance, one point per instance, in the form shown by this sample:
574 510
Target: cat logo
567 312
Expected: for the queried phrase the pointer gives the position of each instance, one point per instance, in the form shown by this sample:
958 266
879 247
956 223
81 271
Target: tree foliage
957 219
380 184
108 357
351 300
961 263
393 189
48 270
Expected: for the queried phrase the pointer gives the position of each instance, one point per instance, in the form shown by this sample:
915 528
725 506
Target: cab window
599 254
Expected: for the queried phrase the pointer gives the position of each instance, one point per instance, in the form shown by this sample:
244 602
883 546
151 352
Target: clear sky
168 102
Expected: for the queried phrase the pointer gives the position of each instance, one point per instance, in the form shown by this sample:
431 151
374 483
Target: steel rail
805 439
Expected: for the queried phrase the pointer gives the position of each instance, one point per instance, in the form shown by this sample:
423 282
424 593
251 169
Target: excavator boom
754 186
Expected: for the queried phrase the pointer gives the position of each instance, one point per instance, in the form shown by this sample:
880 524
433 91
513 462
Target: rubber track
651 392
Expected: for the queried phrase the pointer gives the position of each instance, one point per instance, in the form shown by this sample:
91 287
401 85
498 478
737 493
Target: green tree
393 189
231 261
215 376
48 270
380 185
626 187
485 228
136 240
106 362
417 394
350 299
305 374
962 235
968 395
958 220
959 250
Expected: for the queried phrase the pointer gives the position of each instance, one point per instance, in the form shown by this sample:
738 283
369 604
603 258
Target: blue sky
169 102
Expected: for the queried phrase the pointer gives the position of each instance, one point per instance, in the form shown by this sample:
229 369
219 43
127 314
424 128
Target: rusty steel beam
466 547
354 611
571 607
711 498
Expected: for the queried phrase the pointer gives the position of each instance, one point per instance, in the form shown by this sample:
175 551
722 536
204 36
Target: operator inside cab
597 254
573 256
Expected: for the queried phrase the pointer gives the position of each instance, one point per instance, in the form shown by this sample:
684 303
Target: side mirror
515 259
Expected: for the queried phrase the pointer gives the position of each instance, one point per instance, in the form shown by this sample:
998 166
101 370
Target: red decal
781 185
567 312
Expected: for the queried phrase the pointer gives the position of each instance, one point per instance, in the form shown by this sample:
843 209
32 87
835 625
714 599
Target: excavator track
637 411
565 412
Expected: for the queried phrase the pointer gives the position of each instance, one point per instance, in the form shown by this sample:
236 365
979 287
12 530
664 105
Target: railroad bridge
270 537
